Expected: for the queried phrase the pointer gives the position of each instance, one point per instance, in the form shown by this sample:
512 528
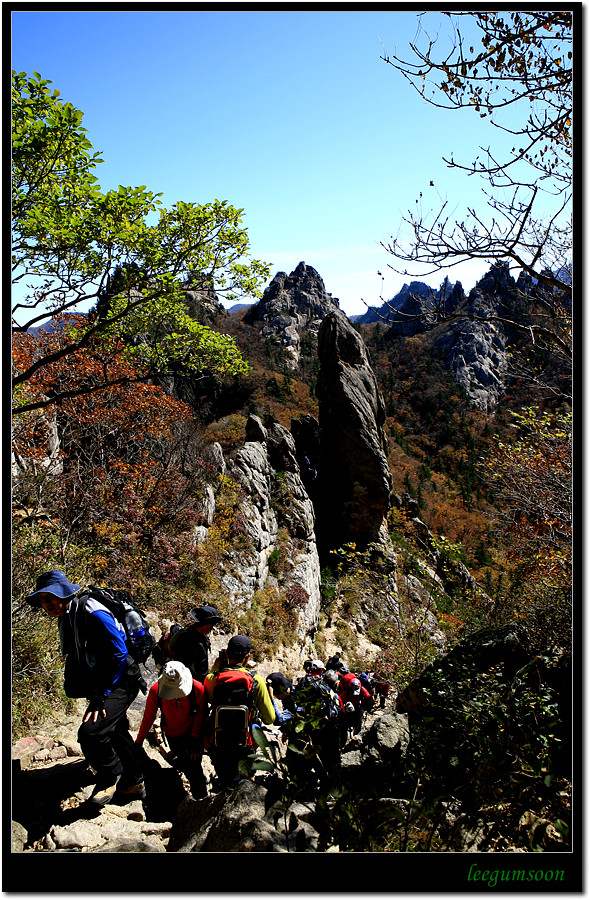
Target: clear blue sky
290 115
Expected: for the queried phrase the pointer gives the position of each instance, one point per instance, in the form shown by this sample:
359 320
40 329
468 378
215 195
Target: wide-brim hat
54 582
205 615
175 681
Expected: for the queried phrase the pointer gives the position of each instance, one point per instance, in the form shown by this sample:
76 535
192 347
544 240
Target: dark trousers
192 768
226 764
107 745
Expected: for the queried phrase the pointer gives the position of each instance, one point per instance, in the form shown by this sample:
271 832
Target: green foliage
37 667
490 740
118 248
272 615
37 671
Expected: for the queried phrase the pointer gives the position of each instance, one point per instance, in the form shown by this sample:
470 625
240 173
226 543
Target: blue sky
290 115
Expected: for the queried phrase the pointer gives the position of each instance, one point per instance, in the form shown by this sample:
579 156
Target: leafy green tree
75 246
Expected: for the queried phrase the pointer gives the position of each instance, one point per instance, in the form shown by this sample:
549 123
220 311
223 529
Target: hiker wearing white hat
182 704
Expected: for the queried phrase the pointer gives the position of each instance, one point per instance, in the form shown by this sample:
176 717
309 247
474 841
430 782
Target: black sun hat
279 683
205 615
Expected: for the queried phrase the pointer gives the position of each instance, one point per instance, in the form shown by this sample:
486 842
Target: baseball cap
239 646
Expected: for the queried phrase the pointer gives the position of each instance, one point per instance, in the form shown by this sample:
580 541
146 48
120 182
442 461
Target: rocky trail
51 786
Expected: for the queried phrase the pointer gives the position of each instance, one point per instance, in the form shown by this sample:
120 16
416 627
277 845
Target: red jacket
178 719
346 696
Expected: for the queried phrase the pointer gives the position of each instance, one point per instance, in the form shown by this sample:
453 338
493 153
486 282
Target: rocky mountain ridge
473 341
303 493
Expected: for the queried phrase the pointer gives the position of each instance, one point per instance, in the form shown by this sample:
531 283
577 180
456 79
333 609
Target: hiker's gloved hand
96 709
348 706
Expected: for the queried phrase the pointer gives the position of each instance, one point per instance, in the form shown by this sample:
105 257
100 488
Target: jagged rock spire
355 483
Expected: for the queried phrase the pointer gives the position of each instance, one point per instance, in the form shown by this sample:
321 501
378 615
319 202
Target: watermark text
492 877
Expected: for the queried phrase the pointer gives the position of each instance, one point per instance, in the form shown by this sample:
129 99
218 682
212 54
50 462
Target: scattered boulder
238 821
20 837
377 757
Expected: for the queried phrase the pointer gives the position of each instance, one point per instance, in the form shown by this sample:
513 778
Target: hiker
191 645
332 679
282 688
367 682
161 652
336 664
382 691
98 668
355 699
315 666
314 732
236 696
182 702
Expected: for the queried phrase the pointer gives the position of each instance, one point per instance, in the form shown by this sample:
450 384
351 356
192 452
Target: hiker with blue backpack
237 696
182 704
100 668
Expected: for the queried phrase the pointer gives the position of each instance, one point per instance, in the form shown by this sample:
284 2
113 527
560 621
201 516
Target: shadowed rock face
355 483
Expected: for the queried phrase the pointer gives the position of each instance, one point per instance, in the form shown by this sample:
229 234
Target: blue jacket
94 644
281 717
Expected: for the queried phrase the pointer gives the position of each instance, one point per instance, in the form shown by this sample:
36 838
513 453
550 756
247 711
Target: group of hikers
204 708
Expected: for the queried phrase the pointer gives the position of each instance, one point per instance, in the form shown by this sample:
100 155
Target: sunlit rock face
291 305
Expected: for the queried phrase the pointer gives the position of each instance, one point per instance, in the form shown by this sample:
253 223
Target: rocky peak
355 483
290 305
408 303
203 303
475 347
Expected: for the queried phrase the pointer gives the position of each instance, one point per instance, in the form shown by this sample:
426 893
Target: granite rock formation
290 306
355 483
402 312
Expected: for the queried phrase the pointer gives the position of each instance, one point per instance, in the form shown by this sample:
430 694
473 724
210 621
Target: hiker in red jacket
183 706
354 699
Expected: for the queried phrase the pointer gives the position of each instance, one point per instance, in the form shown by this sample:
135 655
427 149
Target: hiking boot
132 792
104 793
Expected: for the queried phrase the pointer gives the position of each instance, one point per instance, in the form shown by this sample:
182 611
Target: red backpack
232 702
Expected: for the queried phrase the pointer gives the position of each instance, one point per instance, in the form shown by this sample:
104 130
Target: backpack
316 698
231 709
162 651
138 634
